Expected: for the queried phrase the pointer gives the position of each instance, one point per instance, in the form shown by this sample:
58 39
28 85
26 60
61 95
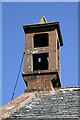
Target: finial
43 20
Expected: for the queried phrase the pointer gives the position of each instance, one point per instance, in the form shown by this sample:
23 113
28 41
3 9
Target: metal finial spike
43 20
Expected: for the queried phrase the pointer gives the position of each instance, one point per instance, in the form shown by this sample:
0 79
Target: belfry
42 55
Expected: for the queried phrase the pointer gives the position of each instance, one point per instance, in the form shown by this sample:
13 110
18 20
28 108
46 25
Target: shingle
59 106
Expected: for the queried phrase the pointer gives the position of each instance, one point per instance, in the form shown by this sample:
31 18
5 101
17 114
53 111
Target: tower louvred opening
40 61
41 40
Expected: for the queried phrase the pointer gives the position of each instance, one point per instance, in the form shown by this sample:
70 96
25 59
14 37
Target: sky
17 14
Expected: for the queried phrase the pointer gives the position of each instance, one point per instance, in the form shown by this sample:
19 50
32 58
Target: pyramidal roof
43 20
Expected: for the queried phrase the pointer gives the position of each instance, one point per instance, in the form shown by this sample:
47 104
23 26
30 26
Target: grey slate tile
63 105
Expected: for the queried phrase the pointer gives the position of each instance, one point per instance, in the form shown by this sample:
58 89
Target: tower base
45 81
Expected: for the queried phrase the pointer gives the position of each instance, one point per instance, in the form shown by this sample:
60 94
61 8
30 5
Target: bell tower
42 55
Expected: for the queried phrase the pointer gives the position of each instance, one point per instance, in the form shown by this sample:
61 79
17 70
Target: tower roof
43 26
43 20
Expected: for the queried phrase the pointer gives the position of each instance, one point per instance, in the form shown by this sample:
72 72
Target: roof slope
61 105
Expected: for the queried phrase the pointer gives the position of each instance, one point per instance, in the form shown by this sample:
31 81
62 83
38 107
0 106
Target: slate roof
61 105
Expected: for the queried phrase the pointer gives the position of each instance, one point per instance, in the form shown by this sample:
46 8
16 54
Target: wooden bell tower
42 55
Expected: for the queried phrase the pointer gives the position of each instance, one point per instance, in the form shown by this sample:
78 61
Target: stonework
41 81
42 56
